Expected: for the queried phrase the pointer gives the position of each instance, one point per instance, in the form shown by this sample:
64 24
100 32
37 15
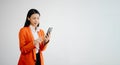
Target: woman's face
34 19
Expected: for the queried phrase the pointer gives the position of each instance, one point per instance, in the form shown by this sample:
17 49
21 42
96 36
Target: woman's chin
35 25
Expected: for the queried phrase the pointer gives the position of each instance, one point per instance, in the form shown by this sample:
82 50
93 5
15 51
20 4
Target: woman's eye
34 18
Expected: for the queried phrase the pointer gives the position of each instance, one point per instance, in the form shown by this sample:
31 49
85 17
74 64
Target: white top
35 35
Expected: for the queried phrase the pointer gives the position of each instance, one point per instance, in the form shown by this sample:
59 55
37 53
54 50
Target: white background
85 32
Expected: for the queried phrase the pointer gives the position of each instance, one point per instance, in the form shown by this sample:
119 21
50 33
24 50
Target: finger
38 39
47 36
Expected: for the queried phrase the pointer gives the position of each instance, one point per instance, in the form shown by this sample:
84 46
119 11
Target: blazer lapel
34 50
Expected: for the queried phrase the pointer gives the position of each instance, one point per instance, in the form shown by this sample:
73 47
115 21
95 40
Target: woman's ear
28 18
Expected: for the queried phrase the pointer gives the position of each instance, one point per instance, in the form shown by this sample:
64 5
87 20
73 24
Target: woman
32 41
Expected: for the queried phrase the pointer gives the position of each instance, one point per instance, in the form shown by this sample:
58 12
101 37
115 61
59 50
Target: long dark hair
30 12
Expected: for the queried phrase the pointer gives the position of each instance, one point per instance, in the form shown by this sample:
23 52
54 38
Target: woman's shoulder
41 31
23 29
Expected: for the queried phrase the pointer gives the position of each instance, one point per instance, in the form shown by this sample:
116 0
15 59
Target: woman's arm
43 44
24 46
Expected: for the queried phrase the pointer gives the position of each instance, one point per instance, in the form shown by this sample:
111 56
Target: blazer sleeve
25 47
42 44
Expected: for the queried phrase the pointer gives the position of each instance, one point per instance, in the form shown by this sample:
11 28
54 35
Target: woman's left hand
47 38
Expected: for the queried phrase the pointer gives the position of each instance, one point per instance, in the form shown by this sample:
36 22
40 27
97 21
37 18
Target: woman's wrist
46 41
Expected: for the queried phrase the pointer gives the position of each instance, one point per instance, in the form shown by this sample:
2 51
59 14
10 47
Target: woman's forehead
35 15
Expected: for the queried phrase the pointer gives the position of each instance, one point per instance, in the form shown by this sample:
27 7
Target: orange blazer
27 48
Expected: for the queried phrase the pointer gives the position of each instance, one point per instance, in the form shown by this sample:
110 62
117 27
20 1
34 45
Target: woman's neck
35 28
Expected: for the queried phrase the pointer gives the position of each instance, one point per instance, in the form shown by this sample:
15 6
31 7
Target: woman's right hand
36 42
